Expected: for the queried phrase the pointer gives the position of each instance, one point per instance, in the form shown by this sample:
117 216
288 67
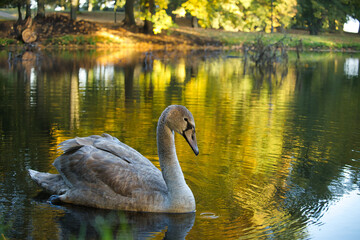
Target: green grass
325 41
72 40
7 41
321 42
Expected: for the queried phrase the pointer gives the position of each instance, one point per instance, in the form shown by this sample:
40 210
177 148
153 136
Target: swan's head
180 120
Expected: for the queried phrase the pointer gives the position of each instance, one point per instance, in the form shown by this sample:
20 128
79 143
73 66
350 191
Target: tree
41 9
129 19
148 11
153 13
284 12
28 10
74 4
19 5
323 14
240 15
90 5
354 7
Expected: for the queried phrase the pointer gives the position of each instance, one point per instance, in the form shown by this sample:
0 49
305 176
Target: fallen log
25 30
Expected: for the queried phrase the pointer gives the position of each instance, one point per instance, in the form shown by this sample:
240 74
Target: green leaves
240 15
317 15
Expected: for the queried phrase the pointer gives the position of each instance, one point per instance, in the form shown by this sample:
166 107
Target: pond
279 149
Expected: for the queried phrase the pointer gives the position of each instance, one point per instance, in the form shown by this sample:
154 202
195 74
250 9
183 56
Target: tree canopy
324 14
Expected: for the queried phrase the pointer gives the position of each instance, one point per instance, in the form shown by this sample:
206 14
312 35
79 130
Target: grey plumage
102 172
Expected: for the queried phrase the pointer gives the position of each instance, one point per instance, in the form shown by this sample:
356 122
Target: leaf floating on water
208 215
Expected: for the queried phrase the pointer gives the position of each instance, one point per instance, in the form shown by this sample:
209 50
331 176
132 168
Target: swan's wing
91 163
106 143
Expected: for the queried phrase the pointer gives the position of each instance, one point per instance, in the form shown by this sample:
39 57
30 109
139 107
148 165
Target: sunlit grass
325 41
107 36
91 40
100 37
7 41
72 39
321 42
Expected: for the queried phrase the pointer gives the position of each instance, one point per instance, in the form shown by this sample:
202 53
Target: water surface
279 149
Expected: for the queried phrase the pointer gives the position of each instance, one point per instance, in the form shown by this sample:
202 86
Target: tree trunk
341 27
28 10
148 25
194 22
315 26
73 9
313 30
41 9
19 12
129 19
90 5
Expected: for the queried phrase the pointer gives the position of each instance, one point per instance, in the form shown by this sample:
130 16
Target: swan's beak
190 137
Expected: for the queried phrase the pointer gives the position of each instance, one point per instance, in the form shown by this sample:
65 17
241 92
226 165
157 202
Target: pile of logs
31 30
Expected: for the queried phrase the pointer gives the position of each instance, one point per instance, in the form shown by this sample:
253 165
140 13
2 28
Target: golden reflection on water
246 121
238 129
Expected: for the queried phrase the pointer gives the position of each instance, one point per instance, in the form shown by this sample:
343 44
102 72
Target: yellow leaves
246 3
162 4
180 12
200 9
161 21
120 3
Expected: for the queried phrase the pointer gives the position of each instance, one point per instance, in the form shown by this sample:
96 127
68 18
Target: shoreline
62 33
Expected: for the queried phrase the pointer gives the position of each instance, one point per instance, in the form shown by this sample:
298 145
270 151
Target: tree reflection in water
276 146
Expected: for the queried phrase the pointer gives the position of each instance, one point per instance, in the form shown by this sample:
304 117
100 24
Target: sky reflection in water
279 151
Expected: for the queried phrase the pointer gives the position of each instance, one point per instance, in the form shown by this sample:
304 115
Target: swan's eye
186 119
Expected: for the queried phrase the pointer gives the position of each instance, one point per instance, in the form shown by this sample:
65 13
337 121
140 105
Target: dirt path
6 16
102 17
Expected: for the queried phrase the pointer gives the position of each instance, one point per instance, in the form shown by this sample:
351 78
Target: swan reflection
90 223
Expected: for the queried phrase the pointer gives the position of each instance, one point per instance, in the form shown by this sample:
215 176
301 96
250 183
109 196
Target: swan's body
102 172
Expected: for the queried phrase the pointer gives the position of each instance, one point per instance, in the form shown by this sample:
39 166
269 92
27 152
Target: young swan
102 172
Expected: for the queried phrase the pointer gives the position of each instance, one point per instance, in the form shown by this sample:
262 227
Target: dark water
279 151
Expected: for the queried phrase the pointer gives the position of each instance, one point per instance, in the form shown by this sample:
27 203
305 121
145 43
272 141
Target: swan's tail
51 183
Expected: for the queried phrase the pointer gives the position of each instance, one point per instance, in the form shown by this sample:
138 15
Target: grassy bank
325 41
197 38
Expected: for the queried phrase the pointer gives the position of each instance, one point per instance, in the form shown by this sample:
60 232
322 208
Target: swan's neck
171 170
169 163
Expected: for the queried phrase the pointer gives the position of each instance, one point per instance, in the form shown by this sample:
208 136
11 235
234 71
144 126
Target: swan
102 172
